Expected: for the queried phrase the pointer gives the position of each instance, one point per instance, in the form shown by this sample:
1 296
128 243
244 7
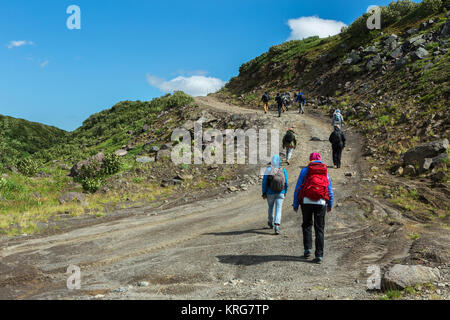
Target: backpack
315 186
337 117
265 98
277 180
289 137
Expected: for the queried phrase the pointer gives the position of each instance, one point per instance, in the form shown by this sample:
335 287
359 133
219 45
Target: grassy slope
20 138
26 201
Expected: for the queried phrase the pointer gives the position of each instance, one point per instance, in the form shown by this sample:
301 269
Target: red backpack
315 186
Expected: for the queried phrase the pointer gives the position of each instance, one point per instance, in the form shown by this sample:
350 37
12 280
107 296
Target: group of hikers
313 192
283 101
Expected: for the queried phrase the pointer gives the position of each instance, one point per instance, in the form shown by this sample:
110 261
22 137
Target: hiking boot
318 260
270 225
277 230
307 254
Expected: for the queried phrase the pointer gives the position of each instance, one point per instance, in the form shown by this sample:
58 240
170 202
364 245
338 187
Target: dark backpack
289 137
277 180
265 98
315 186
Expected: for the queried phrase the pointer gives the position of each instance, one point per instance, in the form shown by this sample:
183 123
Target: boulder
154 149
399 276
397 53
418 154
420 53
391 40
353 58
374 62
412 31
72 197
97 161
445 31
145 159
430 163
121 152
402 62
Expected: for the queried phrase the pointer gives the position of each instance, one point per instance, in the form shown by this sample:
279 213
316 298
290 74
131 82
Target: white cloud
19 43
305 27
44 64
194 85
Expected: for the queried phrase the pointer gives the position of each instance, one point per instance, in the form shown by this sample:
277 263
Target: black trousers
280 108
337 155
316 212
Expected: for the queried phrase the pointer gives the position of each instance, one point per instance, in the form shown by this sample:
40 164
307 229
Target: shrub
27 166
112 164
428 7
91 184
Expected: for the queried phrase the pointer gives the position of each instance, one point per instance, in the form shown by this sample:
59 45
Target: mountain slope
392 85
20 138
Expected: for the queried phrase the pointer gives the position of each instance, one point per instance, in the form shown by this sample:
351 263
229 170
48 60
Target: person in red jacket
314 194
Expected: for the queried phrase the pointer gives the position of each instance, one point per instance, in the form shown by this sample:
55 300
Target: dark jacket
279 100
292 144
265 98
337 139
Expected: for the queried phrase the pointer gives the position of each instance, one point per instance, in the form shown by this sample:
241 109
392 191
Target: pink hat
315 156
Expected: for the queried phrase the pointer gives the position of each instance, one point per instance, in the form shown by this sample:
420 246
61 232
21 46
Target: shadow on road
249 260
238 233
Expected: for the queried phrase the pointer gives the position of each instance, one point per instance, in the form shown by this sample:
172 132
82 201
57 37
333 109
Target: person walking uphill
289 143
338 141
279 101
314 194
274 188
265 99
301 101
337 119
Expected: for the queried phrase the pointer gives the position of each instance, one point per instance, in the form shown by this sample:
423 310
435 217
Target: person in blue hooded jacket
274 199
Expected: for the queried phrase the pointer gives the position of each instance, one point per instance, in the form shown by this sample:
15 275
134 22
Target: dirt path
215 249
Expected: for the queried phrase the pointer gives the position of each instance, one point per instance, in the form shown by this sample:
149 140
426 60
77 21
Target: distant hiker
337 119
314 194
279 104
337 140
265 99
286 100
274 189
289 143
301 101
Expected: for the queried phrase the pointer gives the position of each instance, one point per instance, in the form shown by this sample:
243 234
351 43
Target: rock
430 163
166 147
145 159
120 290
402 276
370 50
143 284
399 171
348 174
374 62
390 40
428 66
99 296
420 53
154 149
72 197
418 154
121 153
206 118
96 161
163 154
401 62
232 189
412 31
353 58
316 139
445 31
189 125
409 170
146 127
397 53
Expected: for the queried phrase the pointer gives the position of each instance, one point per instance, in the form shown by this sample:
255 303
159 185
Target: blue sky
134 49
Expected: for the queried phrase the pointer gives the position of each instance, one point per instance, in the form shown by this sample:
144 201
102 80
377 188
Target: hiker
289 143
337 119
279 104
338 141
301 101
274 189
314 194
286 100
265 99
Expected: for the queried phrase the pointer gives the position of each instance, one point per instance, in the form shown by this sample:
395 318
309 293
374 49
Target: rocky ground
216 245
